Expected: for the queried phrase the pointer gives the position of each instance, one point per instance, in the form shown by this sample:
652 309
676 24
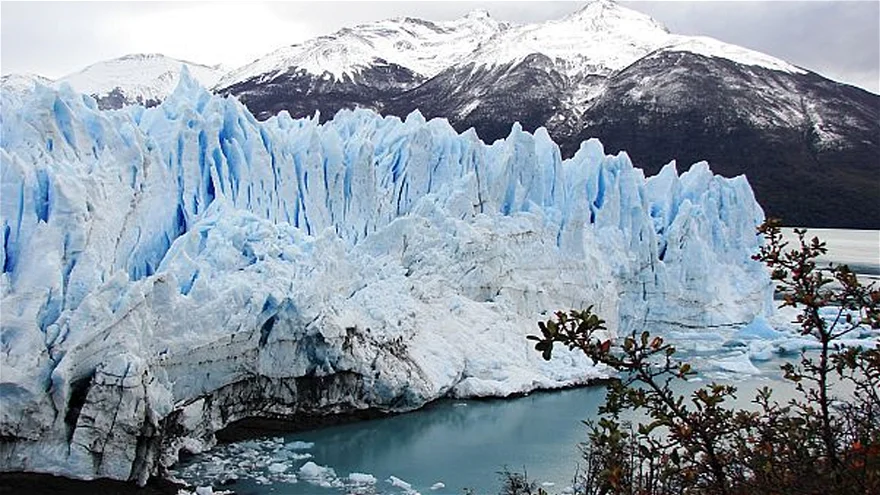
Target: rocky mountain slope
810 146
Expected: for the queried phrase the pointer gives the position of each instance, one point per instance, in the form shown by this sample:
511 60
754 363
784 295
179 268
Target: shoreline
256 427
245 429
50 484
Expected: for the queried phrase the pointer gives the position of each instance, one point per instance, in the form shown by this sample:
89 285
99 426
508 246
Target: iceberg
169 271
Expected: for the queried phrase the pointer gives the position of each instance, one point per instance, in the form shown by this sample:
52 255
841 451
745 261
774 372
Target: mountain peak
142 56
599 38
609 15
22 83
137 77
478 14
599 4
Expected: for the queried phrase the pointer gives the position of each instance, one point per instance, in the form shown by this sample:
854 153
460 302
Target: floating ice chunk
761 351
362 479
317 475
399 483
286 478
738 363
759 328
299 445
277 467
796 345
438 486
250 445
204 490
548 484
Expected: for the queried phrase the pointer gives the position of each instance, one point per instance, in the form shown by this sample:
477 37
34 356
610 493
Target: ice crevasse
167 271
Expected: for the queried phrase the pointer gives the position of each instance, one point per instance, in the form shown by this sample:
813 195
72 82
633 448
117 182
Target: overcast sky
839 39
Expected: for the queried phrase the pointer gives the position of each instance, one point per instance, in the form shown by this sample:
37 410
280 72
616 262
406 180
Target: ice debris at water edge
168 271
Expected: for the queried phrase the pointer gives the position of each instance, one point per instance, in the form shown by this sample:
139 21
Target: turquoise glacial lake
461 444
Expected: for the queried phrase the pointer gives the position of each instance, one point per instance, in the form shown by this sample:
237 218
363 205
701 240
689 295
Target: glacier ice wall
167 271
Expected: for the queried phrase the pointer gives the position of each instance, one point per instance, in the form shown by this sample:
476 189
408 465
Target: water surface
462 444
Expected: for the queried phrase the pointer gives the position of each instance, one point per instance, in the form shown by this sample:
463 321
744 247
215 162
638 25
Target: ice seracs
167 271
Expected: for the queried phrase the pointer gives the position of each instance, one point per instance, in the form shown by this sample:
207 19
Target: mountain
810 146
167 271
144 79
21 84
358 67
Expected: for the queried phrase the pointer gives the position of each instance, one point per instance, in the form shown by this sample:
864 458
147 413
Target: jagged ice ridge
167 271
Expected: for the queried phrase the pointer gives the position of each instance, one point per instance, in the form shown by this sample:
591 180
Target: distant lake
860 249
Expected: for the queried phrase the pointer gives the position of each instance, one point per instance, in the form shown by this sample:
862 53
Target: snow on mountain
424 47
138 78
598 39
603 37
167 271
710 47
22 83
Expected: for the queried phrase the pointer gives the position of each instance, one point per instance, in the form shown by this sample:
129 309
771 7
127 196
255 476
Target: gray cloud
839 39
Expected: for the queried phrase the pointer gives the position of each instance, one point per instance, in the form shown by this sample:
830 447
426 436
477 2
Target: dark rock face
301 93
116 99
809 146
489 100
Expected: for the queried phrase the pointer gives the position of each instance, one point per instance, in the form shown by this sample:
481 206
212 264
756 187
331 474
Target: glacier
168 271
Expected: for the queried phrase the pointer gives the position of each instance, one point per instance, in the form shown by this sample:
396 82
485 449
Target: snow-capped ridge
17 85
478 14
146 78
599 38
609 15
711 47
424 47
603 37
